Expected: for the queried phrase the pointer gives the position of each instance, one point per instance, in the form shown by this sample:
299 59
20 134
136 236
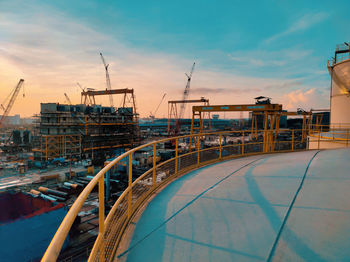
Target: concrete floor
251 209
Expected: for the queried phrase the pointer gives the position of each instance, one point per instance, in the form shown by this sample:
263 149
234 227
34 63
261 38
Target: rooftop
286 206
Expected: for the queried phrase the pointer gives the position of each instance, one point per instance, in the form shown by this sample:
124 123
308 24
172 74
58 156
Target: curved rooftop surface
276 207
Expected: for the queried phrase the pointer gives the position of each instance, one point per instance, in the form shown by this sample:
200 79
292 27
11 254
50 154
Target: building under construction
87 130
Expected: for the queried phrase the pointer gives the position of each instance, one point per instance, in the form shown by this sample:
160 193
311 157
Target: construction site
58 155
87 131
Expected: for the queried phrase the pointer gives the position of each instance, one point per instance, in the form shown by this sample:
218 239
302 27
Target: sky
242 49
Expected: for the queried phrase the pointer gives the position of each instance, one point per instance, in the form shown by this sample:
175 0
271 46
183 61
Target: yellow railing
189 152
336 132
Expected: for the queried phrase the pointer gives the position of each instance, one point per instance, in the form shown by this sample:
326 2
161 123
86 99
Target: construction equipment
186 92
179 116
108 80
173 113
67 98
89 95
88 100
13 95
152 115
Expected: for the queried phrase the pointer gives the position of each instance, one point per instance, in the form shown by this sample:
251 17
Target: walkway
260 208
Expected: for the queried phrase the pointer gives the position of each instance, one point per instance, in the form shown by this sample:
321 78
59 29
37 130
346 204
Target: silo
339 69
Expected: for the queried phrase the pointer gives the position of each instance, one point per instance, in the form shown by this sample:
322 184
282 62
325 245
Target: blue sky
242 49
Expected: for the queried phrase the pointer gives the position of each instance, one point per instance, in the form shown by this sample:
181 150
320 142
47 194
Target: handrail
112 227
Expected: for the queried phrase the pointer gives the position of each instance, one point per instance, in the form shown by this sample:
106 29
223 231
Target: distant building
12 120
80 131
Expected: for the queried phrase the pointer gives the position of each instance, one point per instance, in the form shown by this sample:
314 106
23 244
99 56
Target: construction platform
275 207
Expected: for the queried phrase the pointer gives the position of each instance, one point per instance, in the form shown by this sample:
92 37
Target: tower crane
67 98
184 98
13 95
187 91
152 115
108 80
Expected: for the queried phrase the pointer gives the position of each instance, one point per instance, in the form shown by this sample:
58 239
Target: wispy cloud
53 52
260 58
206 90
285 85
315 98
303 23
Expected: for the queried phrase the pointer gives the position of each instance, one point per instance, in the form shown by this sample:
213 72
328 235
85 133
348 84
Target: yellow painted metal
101 212
154 164
128 203
176 154
243 143
198 151
173 113
130 185
220 146
244 107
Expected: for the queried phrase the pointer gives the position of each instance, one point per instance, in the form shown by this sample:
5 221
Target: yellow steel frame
112 227
52 146
270 111
173 112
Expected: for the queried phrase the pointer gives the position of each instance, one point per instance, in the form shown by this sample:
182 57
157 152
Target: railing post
101 214
154 164
220 146
243 143
319 138
347 137
198 147
130 185
293 140
176 154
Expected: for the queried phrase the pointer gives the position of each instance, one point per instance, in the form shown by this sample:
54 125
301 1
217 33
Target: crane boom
108 80
67 98
184 98
155 111
12 101
186 92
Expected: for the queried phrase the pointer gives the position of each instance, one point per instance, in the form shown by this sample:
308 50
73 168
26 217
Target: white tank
339 69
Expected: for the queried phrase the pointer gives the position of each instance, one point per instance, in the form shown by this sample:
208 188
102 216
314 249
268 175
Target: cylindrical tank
339 70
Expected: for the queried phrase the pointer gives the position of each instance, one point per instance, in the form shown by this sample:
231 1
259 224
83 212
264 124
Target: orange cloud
53 52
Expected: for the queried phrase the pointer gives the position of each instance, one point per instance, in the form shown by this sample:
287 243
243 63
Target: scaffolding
87 130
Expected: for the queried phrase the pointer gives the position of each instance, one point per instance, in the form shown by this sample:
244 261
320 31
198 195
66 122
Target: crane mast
108 80
184 98
12 101
186 92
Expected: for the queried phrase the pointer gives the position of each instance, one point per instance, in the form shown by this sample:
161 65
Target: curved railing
188 152
339 134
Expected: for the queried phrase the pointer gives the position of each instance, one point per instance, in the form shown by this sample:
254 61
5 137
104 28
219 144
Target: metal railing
340 58
340 132
188 153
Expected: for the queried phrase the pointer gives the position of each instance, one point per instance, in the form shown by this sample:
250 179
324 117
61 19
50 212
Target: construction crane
186 92
108 80
184 98
152 115
88 100
13 95
67 98
82 89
